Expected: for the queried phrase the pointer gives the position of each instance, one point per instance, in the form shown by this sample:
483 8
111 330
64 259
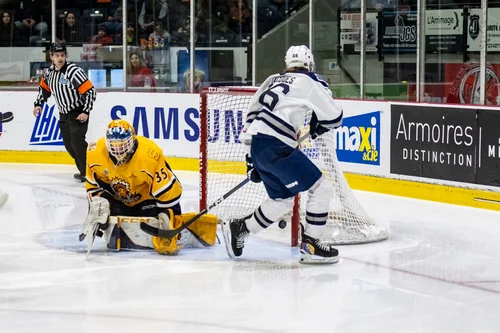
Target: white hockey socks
268 213
317 207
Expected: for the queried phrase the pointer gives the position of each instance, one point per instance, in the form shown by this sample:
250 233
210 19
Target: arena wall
444 153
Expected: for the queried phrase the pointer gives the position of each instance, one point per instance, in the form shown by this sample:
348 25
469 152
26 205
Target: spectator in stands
34 19
240 18
219 17
152 11
138 74
198 80
202 20
177 9
270 14
114 21
69 32
131 35
9 34
160 37
182 35
102 37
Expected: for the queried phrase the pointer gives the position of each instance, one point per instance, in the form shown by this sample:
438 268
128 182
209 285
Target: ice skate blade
306 258
226 230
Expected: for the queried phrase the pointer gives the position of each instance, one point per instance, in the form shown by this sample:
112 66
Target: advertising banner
350 31
358 139
488 161
444 30
433 142
399 32
492 32
171 120
463 84
457 83
362 141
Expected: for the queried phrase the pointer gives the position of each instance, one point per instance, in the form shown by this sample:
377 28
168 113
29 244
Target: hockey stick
172 233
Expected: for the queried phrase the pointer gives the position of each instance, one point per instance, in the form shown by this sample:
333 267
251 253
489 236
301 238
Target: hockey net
222 166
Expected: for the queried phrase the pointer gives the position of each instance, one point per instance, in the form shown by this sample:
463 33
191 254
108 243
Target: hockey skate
313 251
235 234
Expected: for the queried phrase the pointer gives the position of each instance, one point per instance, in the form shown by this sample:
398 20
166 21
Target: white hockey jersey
280 106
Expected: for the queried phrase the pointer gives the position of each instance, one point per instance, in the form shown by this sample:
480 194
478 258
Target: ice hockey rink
438 272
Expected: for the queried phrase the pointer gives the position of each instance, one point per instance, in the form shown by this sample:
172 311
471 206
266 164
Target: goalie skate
313 251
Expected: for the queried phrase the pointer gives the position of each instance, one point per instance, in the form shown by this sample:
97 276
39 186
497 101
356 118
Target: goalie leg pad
135 238
167 221
112 234
202 233
204 229
124 232
167 246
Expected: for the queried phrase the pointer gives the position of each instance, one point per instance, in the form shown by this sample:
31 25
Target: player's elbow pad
334 123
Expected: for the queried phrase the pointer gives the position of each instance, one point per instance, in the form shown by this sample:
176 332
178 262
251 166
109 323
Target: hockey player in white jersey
274 118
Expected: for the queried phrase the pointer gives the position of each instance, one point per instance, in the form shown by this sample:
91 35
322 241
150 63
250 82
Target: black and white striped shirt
70 86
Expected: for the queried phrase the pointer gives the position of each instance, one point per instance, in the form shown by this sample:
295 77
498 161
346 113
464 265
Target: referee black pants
73 134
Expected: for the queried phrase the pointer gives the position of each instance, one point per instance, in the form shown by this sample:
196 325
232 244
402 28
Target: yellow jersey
146 176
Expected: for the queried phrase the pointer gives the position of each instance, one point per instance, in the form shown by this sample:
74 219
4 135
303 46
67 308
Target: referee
75 96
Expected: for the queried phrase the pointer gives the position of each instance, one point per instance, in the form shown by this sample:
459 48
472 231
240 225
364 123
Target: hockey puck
282 224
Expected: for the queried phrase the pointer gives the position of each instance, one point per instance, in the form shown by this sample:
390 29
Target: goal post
222 166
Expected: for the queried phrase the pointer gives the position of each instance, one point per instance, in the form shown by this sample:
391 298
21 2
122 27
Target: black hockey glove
251 172
315 129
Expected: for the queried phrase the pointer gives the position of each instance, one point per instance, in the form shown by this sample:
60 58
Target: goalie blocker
124 232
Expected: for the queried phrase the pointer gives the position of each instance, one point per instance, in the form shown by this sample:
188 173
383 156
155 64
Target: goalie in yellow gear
129 181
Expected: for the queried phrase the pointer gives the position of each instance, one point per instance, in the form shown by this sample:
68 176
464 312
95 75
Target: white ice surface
439 272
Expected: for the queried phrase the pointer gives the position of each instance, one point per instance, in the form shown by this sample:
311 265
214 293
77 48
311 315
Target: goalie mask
120 140
301 57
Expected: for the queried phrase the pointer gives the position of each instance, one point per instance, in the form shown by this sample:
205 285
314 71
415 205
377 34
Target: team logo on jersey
153 154
63 80
46 131
122 192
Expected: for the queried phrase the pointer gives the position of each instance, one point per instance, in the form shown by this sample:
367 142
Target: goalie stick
174 232
91 238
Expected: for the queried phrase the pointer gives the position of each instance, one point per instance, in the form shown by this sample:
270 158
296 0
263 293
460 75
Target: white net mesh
347 222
